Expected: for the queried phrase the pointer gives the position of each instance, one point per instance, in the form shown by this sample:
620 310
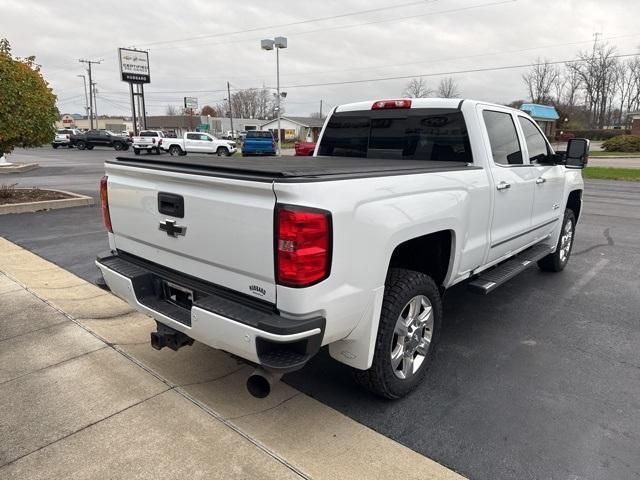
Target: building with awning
544 115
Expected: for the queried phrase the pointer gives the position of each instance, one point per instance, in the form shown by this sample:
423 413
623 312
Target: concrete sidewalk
83 395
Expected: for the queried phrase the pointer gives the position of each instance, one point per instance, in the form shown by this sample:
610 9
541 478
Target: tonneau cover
287 167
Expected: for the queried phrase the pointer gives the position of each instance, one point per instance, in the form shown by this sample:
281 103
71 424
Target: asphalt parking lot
540 379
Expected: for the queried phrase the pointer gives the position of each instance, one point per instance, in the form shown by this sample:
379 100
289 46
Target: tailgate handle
171 204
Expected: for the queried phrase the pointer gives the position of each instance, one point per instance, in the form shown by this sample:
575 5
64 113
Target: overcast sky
196 46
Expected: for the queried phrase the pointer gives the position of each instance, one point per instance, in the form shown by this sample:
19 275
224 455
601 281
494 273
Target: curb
19 168
77 200
311 439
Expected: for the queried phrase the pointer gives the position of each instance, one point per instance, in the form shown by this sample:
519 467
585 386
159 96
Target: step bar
491 279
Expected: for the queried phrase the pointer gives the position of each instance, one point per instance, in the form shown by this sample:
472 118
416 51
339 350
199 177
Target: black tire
556 261
54 145
118 146
175 150
70 146
136 151
158 151
80 145
89 147
222 152
401 286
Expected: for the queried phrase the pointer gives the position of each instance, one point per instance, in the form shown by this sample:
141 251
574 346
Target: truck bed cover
288 168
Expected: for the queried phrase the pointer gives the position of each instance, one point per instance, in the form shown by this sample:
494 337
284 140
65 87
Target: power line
340 27
290 24
454 72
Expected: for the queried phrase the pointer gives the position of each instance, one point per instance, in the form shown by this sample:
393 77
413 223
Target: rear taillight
383 104
104 200
160 142
68 137
303 245
153 140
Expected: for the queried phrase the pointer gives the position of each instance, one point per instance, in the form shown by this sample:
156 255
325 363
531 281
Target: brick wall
635 127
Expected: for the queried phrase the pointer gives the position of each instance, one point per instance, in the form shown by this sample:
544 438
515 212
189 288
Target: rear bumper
224 320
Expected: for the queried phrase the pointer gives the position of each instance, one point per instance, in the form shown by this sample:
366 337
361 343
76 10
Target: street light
277 43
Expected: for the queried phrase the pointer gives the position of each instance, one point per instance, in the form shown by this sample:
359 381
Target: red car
304 149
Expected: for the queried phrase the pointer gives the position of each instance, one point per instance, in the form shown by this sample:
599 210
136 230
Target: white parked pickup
148 140
353 248
198 142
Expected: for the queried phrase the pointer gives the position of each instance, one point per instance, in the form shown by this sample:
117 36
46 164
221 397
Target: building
295 128
115 124
544 115
635 123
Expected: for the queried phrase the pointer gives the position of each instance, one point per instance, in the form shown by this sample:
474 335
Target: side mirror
577 153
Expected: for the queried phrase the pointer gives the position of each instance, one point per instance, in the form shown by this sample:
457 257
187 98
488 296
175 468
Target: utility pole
89 63
230 111
320 108
86 97
95 103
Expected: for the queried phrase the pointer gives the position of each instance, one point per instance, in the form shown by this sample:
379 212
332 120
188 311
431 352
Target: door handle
540 180
503 186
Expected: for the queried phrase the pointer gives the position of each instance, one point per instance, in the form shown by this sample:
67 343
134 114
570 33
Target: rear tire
81 145
158 151
136 151
407 334
556 261
118 146
54 146
69 146
89 147
175 150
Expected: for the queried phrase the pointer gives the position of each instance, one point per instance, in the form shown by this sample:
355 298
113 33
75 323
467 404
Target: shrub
622 143
598 134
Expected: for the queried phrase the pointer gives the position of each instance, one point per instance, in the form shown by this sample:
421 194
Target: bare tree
417 88
573 83
317 115
540 80
171 110
448 88
256 103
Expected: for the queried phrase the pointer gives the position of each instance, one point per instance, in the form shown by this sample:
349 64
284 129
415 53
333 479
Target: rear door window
505 146
415 134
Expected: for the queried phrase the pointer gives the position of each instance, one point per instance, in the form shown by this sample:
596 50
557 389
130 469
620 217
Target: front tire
54 146
408 331
222 152
556 261
81 145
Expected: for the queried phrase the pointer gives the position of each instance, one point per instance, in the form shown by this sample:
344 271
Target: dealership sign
134 65
191 103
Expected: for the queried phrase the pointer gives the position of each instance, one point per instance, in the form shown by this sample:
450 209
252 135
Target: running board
488 281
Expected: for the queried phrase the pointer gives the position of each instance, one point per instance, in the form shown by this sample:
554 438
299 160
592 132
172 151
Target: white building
295 128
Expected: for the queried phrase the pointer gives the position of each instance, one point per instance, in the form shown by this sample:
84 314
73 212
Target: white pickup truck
198 142
270 259
149 141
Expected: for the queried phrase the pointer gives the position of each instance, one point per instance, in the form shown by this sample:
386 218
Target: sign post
191 105
134 69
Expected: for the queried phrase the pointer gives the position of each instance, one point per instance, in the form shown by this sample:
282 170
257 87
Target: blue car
258 142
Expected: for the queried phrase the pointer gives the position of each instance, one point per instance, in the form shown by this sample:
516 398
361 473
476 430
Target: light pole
278 43
86 98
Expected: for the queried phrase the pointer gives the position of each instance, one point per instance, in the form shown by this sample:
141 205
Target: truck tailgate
225 235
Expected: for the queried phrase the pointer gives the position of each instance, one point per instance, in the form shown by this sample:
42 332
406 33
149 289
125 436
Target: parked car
105 138
304 149
149 141
63 137
352 248
258 142
198 142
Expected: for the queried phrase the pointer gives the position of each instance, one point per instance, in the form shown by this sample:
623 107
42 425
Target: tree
256 103
171 110
317 115
448 88
208 110
540 80
28 106
417 88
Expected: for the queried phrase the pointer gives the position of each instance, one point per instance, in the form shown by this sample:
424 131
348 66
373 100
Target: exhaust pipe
260 382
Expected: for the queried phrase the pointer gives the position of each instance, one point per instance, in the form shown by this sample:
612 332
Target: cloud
403 41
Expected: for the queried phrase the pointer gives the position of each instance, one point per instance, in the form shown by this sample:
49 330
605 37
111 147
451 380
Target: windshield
412 134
